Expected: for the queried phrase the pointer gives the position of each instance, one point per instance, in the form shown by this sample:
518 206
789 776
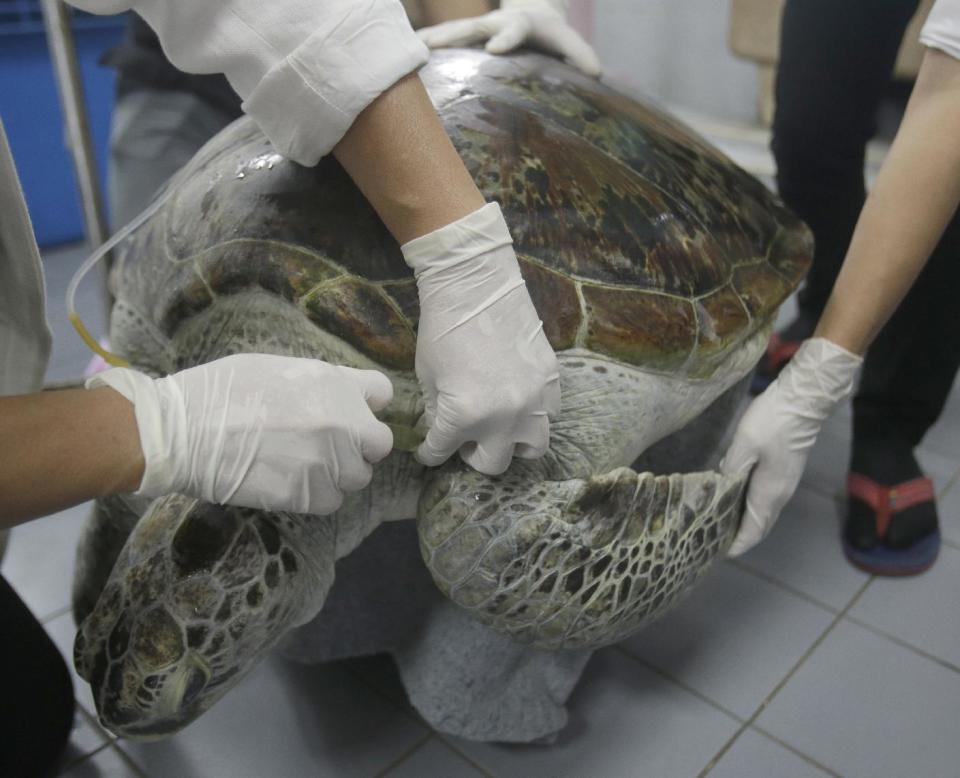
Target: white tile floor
786 662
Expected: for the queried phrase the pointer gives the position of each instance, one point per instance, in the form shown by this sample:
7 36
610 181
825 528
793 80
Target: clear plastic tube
406 438
94 258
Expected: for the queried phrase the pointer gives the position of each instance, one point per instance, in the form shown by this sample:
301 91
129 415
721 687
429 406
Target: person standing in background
836 61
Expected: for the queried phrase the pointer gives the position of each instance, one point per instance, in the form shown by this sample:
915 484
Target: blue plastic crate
30 108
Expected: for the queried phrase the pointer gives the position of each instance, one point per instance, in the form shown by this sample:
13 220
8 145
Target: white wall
674 51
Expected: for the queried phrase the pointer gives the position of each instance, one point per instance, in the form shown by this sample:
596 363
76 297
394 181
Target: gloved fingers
533 438
442 442
576 51
323 492
772 484
376 441
355 475
375 386
322 501
750 533
490 457
429 413
740 457
552 398
461 32
509 37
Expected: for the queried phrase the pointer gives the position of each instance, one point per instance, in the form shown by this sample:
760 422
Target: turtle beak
166 710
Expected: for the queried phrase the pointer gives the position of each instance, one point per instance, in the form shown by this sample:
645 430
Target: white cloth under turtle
461 676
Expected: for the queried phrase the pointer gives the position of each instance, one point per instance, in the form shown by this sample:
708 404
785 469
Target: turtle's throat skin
612 412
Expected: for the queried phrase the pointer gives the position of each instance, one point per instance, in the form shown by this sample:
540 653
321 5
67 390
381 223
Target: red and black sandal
779 352
885 501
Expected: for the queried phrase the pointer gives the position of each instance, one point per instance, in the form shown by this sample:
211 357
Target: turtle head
198 595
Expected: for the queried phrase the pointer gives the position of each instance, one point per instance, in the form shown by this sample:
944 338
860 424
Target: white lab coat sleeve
942 28
24 335
304 68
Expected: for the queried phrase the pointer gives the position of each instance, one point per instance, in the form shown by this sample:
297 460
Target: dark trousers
836 60
36 701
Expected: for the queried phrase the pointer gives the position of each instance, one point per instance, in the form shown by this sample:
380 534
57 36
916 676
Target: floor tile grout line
91 715
54 614
408 710
404 707
821 490
95 724
465 757
795 750
950 484
92 722
124 756
404 756
82 758
783 585
950 543
677 682
783 681
903 643
940 451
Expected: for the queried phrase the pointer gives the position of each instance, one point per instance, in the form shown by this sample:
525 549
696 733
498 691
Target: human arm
539 22
439 11
338 77
61 448
914 197
261 431
489 376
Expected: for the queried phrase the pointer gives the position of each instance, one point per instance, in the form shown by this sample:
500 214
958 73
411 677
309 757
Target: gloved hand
488 374
261 431
779 428
541 22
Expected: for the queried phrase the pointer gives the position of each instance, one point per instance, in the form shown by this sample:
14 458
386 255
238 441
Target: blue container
30 109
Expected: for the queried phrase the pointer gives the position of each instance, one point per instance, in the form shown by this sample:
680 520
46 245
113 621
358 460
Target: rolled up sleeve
942 28
305 69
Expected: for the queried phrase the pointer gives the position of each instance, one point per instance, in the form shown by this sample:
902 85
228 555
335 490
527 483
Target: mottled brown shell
638 241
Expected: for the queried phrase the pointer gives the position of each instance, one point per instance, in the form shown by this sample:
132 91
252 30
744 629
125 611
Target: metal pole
66 70
72 101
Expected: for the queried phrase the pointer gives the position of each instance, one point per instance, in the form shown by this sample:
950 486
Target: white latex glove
260 431
779 428
541 22
489 376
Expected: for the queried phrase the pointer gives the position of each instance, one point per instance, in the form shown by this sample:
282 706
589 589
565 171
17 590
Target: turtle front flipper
576 563
198 595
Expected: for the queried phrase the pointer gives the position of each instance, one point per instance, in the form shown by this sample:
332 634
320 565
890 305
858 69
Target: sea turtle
656 265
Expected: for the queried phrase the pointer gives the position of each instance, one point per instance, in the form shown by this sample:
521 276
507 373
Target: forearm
400 157
438 11
913 199
61 448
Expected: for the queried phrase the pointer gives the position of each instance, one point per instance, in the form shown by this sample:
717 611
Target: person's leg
154 133
836 59
36 706
906 379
